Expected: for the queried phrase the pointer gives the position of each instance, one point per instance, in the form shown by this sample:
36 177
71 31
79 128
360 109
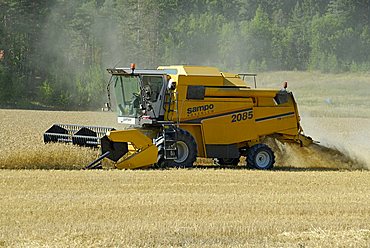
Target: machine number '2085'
242 116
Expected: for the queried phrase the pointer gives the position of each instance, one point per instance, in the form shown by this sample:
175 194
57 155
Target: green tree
257 39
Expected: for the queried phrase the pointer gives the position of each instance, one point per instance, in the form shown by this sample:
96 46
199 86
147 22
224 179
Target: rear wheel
186 150
260 157
227 161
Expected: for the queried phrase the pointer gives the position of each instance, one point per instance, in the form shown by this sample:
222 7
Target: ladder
169 141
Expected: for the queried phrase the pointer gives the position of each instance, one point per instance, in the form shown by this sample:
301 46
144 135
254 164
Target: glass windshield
127 92
152 86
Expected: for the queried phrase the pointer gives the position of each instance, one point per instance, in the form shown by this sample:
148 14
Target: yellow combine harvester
179 113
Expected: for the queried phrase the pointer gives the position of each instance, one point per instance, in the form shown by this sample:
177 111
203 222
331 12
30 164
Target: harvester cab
175 114
140 95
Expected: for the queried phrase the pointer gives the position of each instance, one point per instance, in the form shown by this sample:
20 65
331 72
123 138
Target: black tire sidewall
253 153
188 139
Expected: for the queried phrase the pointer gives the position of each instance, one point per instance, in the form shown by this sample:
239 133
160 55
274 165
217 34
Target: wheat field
22 144
315 197
184 208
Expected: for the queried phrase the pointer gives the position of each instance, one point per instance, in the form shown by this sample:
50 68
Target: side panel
196 132
194 111
234 127
223 151
247 125
269 120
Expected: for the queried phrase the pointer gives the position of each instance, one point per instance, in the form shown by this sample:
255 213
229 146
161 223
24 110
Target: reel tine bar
76 134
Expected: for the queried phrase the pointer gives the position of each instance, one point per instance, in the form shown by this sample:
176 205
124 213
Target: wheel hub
262 159
182 151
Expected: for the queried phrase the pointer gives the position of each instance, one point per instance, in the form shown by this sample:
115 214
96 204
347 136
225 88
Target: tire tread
252 152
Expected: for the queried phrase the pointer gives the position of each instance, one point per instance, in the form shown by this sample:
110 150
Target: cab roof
128 71
186 70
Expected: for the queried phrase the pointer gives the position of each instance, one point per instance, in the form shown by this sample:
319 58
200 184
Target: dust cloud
344 144
315 156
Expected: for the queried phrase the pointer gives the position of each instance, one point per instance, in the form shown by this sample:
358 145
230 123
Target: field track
192 208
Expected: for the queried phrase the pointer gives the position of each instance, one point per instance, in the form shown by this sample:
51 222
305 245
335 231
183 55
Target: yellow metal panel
265 101
202 70
231 79
193 70
142 151
222 129
200 109
230 75
181 90
235 82
140 159
134 136
196 131
265 113
200 80
242 92
249 125
275 120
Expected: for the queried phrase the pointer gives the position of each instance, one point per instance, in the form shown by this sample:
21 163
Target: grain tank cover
202 71
189 70
204 76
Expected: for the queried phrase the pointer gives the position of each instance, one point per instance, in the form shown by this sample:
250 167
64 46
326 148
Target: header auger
175 114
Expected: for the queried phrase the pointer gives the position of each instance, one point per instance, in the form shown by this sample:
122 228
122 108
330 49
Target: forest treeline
54 52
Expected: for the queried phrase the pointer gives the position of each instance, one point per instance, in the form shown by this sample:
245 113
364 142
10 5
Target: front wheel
186 150
260 157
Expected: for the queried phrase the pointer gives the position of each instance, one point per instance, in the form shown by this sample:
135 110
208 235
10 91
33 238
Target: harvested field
191 208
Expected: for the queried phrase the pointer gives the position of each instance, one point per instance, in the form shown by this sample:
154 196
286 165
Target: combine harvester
178 113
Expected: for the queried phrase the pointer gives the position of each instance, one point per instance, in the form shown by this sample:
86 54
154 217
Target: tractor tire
186 150
227 161
260 157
